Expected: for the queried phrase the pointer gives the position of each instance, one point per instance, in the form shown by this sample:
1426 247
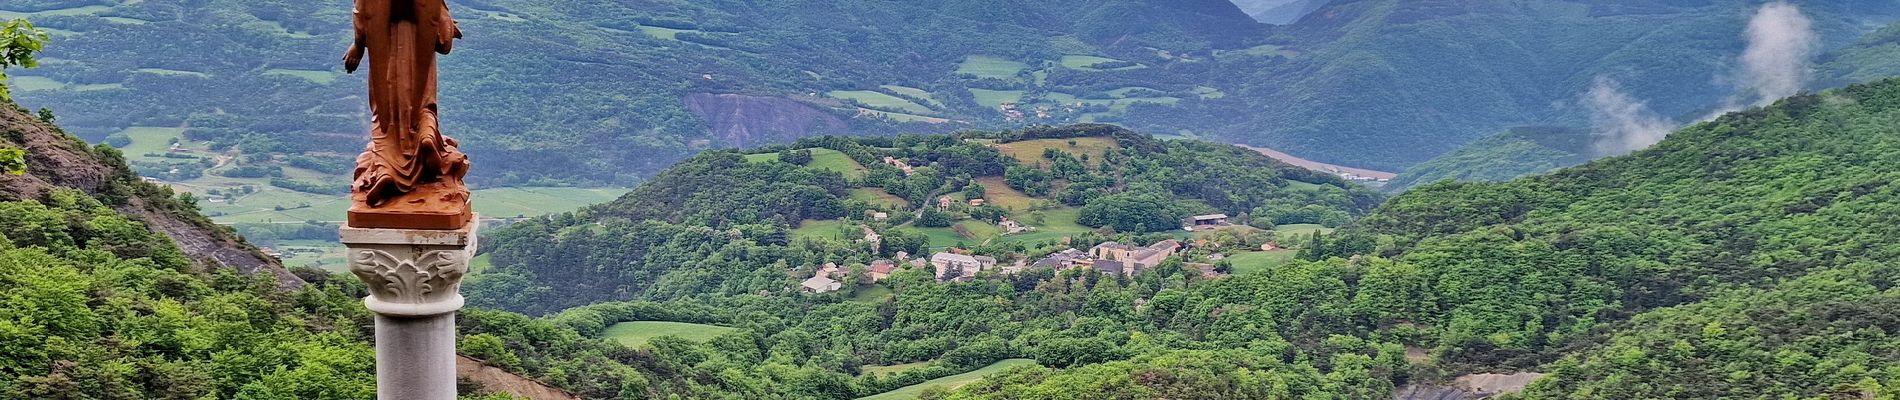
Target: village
1110 258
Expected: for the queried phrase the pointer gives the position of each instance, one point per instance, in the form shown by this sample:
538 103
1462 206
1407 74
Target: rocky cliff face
55 159
747 121
1469 387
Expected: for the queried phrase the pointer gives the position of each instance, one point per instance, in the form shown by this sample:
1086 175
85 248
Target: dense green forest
1374 83
1513 154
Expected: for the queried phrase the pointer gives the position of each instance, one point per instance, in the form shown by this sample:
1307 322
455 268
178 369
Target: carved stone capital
410 273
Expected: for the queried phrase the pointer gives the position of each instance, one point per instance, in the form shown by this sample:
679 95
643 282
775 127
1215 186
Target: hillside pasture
998 193
638 333
1257 261
880 100
996 98
881 198
991 67
830 229
1087 63
889 370
821 158
950 382
913 92
1029 152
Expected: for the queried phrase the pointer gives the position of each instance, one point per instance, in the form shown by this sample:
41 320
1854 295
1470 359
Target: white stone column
415 280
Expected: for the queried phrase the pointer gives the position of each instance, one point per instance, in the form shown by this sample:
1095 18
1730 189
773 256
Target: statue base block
438 206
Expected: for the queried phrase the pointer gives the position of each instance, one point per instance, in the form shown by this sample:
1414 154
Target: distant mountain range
597 92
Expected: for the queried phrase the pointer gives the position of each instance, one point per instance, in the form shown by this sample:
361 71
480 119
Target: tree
12 161
19 41
795 157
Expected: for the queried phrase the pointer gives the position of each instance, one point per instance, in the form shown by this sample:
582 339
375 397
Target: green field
951 382
637 333
533 201
1209 92
1257 261
830 229
913 92
836 161
880 100
1300 230
991 67
998 193
880 197
32 83
664 33
314 76
263 206
61 12
1083 61
312 253
941 238
1057 223
172 72
821 158
871 294
996 98
1029 152
888 370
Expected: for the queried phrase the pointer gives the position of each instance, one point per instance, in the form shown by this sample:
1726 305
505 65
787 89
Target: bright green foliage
94 305
12 161
18 43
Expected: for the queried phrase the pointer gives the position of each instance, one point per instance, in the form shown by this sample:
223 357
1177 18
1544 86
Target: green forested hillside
1515 153
1525 151
1744 257
729 223
537 86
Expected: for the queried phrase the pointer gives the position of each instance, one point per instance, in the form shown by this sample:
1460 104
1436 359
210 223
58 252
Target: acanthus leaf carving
429 277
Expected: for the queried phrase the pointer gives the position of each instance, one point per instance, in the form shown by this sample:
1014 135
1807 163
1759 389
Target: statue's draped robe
407 148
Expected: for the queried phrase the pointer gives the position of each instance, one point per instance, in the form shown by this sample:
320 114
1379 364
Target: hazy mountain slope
534 80
537 87
1522 152
1516 153
1875 56
1387 84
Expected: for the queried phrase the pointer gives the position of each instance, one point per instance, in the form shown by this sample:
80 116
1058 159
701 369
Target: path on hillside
1320 166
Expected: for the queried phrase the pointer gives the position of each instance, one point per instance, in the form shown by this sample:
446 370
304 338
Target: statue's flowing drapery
407 148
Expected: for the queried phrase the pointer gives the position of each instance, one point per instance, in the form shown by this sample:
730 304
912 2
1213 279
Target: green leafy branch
19 41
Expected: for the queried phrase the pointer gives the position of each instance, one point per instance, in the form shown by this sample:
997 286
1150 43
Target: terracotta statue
410 175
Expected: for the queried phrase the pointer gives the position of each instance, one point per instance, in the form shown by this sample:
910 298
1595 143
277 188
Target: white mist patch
1620 123
1781 42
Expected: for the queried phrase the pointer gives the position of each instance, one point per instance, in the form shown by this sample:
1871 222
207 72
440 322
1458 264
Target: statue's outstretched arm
354 57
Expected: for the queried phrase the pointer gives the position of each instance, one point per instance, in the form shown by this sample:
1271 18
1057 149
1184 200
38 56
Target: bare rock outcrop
55 159
497 380
746 121
1469 387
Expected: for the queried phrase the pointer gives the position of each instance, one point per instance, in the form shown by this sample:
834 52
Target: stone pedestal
414 279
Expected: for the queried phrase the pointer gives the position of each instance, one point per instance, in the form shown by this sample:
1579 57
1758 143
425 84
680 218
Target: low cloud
1621 123
1781 43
